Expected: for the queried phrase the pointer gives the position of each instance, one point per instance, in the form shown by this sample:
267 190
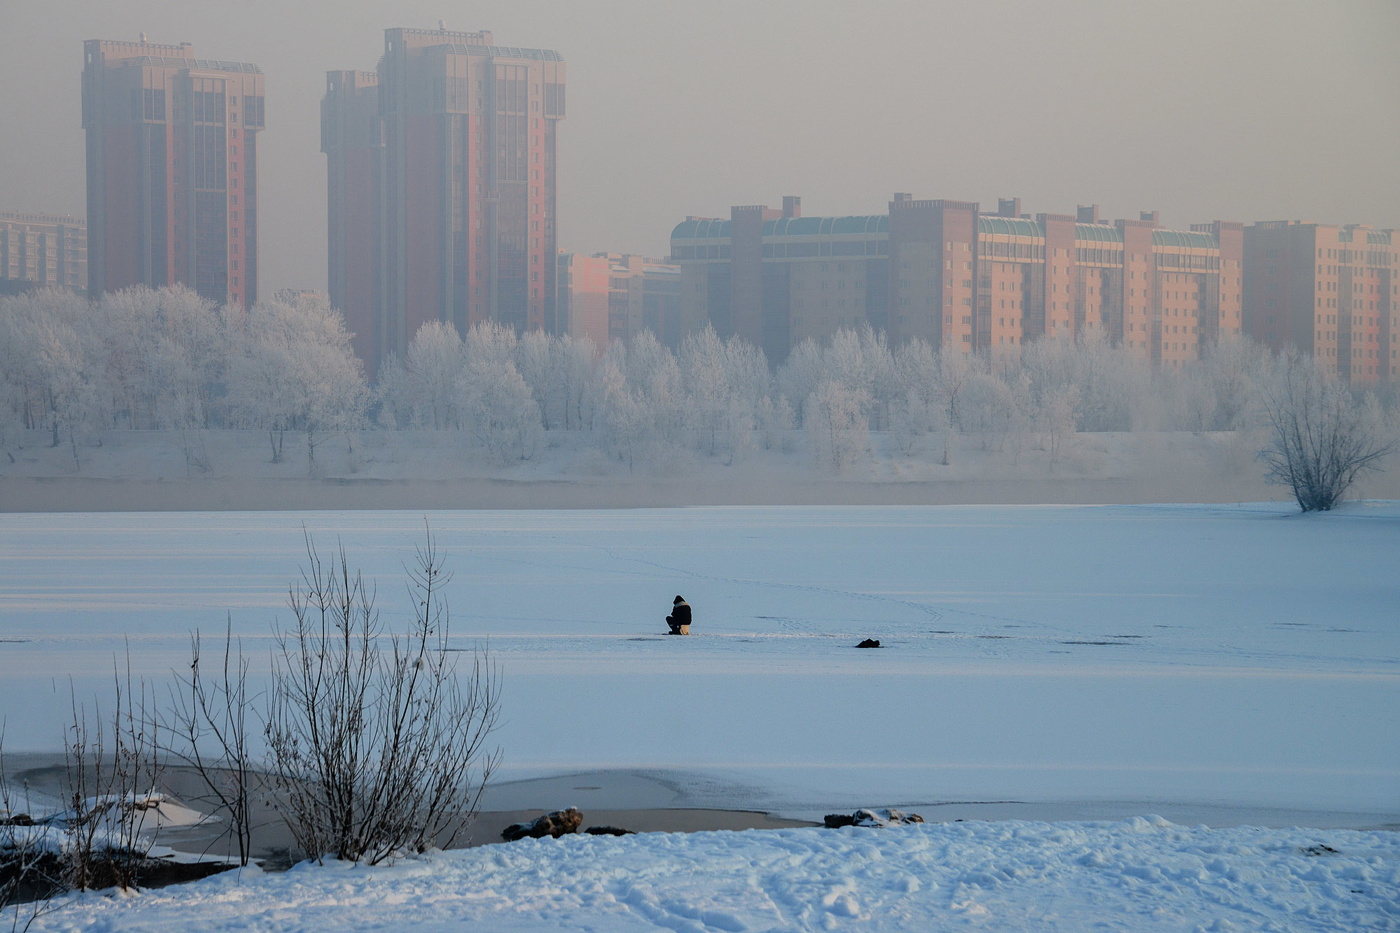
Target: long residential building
1331 291
171 169
947 273
42 250
441 183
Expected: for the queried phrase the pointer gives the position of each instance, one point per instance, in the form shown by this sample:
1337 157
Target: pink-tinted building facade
453 142
171 169
1331 291
615 296
946 273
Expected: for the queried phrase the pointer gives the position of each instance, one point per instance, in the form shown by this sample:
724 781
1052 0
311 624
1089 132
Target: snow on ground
1138 874
134 470
572 456
1227 656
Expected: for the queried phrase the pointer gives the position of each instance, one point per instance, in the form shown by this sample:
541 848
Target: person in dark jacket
679 619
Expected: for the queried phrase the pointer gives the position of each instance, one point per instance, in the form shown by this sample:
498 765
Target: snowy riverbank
148 470
1138 874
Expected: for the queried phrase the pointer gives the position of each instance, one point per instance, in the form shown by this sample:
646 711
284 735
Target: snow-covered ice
1241 656
1139 874
1234 660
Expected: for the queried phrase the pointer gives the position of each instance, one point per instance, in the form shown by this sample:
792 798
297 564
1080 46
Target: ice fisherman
679 619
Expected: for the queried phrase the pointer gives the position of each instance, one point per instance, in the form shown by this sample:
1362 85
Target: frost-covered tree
164 351
498 409
837 427
166 359
20 382
560 372
575 360
626 419
535 360
844 362
1234 371
775 420
1320 439
293 369
389 403
916 410
54 372
641 405
725 384
1054 369
707 390
996 408
799 377
955 370
860 360
1109 383
434 362
654 378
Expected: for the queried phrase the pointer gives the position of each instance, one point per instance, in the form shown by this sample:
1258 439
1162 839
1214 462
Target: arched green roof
1184 239
1378 237
701 230
1009 226
867 224
1098 233
861 225
827 226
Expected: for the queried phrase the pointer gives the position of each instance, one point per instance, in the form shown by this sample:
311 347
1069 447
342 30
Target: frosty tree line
140 360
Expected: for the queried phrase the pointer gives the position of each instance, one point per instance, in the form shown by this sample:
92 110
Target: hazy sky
1202 110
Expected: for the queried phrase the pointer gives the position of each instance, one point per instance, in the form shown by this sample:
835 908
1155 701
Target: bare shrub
208 717
29 869
377 745
112 768
104 835
1320 439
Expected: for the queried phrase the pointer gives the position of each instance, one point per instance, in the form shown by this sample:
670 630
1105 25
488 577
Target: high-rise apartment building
353 140
957 278
39 251
171 169
453 140
1331 291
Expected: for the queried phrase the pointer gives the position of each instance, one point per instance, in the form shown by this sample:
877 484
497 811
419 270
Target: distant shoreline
94 494
427 470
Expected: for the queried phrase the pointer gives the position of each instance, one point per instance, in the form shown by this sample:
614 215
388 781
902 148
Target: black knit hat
678 600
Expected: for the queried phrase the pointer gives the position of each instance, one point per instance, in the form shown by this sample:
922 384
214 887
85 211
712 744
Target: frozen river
1239 657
